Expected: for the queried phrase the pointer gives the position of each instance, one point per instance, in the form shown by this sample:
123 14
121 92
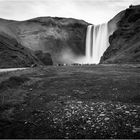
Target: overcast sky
93 11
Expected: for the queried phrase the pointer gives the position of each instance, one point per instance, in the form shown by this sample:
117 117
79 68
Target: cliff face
12 54
61 37
125 41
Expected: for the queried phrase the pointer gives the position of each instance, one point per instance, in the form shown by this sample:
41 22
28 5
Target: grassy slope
13 54
73 102
49 34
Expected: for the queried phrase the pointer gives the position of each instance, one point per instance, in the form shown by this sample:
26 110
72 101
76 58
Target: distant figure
59 65
131 6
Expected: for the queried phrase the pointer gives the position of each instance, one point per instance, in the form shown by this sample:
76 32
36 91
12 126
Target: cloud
93 11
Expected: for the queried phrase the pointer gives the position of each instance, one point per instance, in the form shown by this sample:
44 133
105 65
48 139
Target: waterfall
96 42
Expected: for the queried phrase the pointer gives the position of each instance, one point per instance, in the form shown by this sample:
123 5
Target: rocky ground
98 101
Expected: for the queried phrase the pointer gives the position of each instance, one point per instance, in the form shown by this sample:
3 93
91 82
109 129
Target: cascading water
96 42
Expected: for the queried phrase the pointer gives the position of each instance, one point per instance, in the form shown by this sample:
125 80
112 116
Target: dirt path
11 69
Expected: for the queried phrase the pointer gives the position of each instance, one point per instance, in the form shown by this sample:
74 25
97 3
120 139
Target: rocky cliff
13 54
125 41
63 38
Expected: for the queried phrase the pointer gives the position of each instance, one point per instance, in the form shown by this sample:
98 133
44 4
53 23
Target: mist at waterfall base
96 44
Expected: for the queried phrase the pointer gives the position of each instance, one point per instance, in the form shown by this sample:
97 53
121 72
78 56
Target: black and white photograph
69 69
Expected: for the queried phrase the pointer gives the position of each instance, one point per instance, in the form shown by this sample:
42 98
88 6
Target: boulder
45 58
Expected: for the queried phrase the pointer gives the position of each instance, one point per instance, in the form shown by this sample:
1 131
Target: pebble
127 112
106 119
89 122
134 113
79 102
136 129
95 116
30 89
91 108
101 115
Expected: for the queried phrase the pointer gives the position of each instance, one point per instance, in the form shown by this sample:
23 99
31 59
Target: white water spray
96 42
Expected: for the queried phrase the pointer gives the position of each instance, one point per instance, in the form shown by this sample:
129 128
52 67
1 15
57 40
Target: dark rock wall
125 41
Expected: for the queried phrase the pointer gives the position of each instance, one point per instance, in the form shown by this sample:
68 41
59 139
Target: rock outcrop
125 41
45 58
60 37
13 54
